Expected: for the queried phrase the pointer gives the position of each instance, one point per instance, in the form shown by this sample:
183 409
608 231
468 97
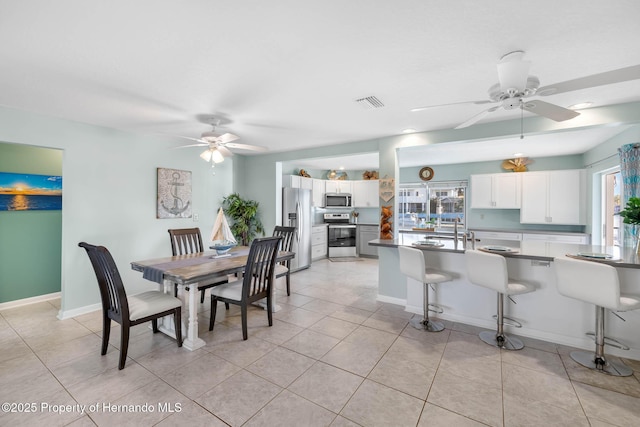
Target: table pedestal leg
190 302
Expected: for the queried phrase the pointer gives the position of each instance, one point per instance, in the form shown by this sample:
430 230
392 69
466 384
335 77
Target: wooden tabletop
203 271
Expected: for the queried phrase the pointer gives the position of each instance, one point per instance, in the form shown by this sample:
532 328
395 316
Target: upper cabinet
365 194
495 191
554 197
317 196
296 181
338 186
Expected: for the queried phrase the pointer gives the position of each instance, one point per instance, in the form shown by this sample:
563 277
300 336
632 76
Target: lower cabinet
366 233
318 242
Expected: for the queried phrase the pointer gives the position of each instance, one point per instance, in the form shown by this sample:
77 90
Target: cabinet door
318 192
331 186
365 194
306 183
533 209
344 186
292 181
566 197
481 191
506 190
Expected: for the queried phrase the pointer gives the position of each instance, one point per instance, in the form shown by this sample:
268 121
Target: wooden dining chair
128 311
188 241
283 268
256 284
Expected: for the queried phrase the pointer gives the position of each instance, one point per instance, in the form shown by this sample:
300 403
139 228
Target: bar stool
490 271
412 265
597 284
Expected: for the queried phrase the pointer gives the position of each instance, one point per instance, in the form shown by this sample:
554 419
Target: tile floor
335 356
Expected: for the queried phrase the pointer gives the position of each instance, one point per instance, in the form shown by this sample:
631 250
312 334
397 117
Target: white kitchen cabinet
317 199
297 181
554 197
578 239
367 233
318 242
495 191
365 194
338 186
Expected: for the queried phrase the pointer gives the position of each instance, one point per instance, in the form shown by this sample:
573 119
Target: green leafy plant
244 217
631 212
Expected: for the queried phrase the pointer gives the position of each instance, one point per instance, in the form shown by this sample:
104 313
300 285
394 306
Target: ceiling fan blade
246 147
204 144
477 117
487 101
551 111
224 151
594 80
227 137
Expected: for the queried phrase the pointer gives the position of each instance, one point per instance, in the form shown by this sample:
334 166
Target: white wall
109 196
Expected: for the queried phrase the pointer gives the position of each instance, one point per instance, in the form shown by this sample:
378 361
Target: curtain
630 173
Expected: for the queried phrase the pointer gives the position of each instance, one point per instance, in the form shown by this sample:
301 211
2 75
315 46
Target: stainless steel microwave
337 200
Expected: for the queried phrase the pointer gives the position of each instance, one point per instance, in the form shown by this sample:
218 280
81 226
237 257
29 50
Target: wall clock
426 173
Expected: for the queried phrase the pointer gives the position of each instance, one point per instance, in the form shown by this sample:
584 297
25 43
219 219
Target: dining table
187 271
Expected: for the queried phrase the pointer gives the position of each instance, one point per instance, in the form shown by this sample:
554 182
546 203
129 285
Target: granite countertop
542 251
524 231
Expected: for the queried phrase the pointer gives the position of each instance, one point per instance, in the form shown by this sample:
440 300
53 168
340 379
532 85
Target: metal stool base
508 343
428 325
588 360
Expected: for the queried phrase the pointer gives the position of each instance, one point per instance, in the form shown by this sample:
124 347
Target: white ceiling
285 74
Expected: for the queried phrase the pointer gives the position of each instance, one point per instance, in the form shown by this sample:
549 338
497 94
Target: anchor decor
174 194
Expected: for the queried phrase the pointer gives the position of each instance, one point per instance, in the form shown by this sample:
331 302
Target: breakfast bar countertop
624 257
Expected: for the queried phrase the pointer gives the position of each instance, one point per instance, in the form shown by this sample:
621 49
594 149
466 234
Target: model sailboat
221 232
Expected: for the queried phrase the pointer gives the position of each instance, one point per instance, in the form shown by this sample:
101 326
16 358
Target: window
440 202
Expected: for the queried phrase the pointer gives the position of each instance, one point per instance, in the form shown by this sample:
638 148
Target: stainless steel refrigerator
296 212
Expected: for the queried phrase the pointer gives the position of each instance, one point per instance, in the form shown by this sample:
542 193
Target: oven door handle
342 226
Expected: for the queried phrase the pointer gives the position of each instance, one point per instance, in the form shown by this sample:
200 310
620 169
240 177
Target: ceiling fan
219 144
516 85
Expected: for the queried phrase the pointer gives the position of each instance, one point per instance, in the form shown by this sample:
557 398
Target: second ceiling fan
515 85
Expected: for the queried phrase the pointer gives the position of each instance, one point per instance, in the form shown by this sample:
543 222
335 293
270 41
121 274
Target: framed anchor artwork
174 194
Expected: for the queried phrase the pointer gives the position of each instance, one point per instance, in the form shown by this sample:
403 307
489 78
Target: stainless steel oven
342 235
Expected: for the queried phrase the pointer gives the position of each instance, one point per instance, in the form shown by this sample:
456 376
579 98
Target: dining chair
188 241
256 284
283 268
126 310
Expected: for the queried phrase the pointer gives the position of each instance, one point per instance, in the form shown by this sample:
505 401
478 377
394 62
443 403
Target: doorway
611 207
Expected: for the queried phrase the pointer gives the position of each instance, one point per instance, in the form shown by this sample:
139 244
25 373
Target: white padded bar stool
412 265
597 284
490 271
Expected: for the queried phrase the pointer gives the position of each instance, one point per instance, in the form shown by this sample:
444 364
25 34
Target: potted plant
244 217
631 215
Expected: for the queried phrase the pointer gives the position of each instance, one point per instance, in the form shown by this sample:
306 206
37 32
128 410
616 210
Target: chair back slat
287 234
259 272
186 241
112 293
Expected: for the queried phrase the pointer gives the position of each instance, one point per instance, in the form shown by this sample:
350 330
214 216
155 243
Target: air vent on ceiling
370 102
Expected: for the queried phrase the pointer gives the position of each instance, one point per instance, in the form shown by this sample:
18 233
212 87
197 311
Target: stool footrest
610 341
511 322
436 308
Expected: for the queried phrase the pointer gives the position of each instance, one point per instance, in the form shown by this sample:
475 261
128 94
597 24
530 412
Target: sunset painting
22 192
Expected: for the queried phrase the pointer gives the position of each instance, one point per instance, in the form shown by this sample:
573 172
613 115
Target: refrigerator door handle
298 213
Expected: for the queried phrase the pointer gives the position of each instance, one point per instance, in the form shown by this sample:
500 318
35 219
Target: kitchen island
544 314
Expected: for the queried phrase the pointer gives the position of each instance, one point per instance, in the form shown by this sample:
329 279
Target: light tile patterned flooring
335 356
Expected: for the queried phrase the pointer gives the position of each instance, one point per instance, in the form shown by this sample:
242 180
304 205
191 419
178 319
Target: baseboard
27 301
391 300
68 314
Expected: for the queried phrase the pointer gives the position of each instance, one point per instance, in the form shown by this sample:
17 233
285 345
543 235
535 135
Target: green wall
29 238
